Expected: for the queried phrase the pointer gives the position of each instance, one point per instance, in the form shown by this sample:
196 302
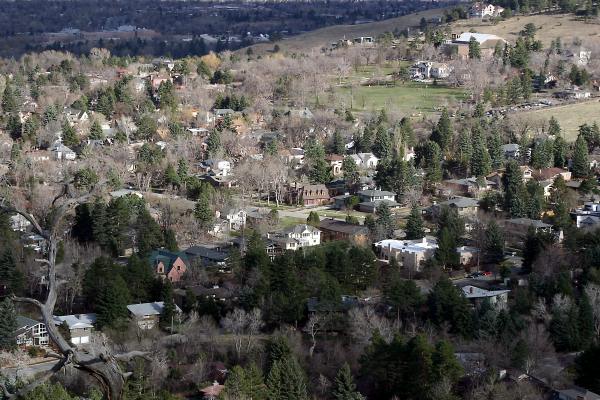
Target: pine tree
586 321
111 305
14 127
514 190
213 142
350 171
433 162
9 99
287 381
494 242
385 221
414 224
382 147
203 212
495 150
313 219
338 145
442 132
69 136
559 152
474 49
8 324
167 317
445 364
465 150
345 389
96 131
11 278
580 157
553 127
481 163
446 254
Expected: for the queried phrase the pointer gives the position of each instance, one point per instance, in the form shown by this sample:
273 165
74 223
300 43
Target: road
29 371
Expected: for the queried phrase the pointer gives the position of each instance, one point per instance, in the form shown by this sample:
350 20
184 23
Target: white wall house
80 327
365 160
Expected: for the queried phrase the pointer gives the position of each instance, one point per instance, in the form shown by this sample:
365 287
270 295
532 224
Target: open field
566 27
407 99
570 116
317 39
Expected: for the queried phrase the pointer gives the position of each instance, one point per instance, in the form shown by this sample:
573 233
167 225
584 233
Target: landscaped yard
409 98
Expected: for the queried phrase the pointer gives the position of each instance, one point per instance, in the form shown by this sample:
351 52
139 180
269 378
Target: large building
487 44
332 229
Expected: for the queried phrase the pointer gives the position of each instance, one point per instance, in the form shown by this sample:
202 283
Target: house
235 217
487 44
468 186
19 223
169 265
483 10
218 167
147 315
62 152
30 332
332 230
365 160
371 199
410 254
212 392
467 254
80 326
527 172
297 237
335 162
576 393
551 174
518 227
587 216
464 206
573 94
308 195
206 255
296 155
430 70
511 151
580 55
497 298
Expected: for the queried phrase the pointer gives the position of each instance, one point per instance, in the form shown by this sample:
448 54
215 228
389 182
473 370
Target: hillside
322 37
550 26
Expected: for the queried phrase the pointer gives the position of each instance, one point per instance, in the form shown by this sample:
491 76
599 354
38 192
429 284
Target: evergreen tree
245 383
446 254
465 150
14 127
537 200
382 147
313 219
167 317
442 132
526 84
559 151
514 191
414 224
69 136
433 162
345 389
580 157
11 277
587 373
111 304
96 131
286 380
203 212
213 142
481 163
385 221
148 233
495 150
319 169
445 364
9 100
8 324
474 48
553 127
585 319
338 145
350 171
277 348
494 242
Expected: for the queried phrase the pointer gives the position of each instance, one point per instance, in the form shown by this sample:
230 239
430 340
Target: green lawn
410 98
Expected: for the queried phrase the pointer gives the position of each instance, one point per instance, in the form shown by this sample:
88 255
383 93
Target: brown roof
319 191
343 227
547 173
334 157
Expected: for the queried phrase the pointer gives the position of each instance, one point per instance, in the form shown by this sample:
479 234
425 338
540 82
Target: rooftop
78 321
473 292
155 308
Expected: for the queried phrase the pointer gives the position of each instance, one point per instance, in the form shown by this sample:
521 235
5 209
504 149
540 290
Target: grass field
409 99
570 117
550 27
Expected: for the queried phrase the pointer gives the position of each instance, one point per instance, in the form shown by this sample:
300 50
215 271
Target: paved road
29 371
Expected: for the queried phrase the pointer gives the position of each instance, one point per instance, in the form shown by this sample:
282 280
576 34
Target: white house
430 69
297 237
30 332
147 315
218 166
410 254
235 217
497 298
483 10
62 152
80 326
19 223
365 160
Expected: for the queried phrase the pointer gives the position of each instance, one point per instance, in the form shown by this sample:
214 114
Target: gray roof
156 308
579 393
536 223
511 147
78 321
23 322
373 192
461 202
301 228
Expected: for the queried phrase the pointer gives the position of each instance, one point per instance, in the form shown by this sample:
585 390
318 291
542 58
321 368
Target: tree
286 380
14 127
203 211
11 277
559 151
213 143
382 146
385 223
345 389
587 374
474 48
465 150
96 131
337 145
350 171
494 242
447 304
166 95
313 219
580 157
203 70
69 136
433 162
414 224
442 132
167 316
445 364
111 304
403 295
8 325
514 190
9 100
481 163
245 383
446 254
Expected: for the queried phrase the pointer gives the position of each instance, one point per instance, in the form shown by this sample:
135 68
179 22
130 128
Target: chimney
471 290
424 240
